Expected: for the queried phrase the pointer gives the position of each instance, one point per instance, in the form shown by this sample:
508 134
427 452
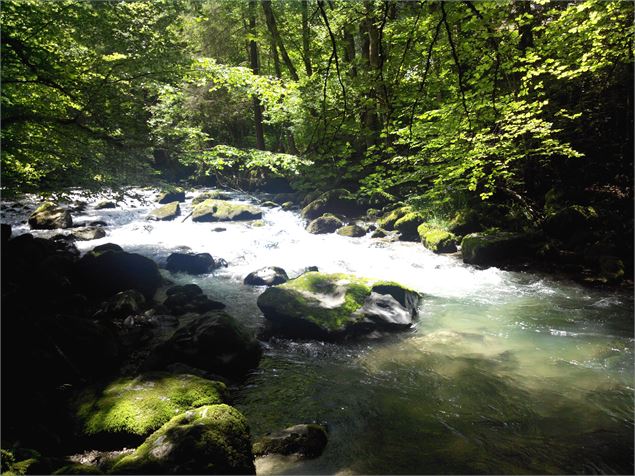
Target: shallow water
504 372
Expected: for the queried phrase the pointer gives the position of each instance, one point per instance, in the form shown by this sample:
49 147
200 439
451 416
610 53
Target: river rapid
504 373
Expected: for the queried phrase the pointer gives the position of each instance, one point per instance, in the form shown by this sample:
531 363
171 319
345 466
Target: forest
449 185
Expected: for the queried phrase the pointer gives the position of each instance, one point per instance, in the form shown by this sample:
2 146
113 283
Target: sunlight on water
503 373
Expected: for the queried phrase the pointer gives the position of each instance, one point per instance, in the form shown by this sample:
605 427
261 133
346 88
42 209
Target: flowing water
504 372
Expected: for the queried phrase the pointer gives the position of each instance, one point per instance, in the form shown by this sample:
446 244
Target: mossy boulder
189 298
437 239
219 210
167 212
327 223
50 216
105 204
190 263
465 222
129 409
338 201
352 231
308 440
212 194
407 226
213 439
88 233
570 221
494 248
268 276
387 222
337 306
121 305
168 196
215 342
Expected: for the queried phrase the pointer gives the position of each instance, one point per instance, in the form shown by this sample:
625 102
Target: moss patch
141 405
166 212
220 210
437 239
387 222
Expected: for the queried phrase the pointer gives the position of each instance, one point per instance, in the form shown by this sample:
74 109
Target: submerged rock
327 223
129 409
50 216
308 440
493 248
219 210
437 239
268 276
167 212
89 233
212 439
214 342
190 263
337 306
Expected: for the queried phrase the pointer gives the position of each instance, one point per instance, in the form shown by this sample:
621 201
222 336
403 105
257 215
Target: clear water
504 373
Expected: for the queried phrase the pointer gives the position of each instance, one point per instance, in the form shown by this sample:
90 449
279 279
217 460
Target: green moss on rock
407 226
219 210
49 216
436 239
140 405
166 212
212 194
352 231
327 223
213 439
387 222
308 440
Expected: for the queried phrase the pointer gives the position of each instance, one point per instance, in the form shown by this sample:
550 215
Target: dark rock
171 196
493 248
611 268
569 222
106 247
121 305
5 232
353 231
214 342
337 201
276 185
219 210
97 223
327 223
50 216
166 212
109 272
219 229
189 298
466 222
269 276
191 263
407 226
188 290
105 204
308 440
379 233
387 222
89 233
208 440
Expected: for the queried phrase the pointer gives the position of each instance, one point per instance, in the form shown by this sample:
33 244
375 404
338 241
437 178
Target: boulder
308 440
338 201
190 263
129 409
493 248
379 233
436 239
353 231
327 223
189 298
5 232
387 222
467 221
269 204
212 194
268 276
407 226
288 206
49 216
569 222
171 196
104 204
212 439
167 212
89 233
121 305
109 272
214 342
219 210
337 306
97 250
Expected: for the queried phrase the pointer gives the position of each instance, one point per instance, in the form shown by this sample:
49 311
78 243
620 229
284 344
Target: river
504 373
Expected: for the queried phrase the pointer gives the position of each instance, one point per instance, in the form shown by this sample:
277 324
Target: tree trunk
306 51
273 30
255 67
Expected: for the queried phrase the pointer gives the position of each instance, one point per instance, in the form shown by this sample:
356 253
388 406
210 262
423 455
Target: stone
268 276
570 221
327 223
50 216
167 212
121 305
269 204
214 342
105 204
387 222
212 439
97 250
353 231
97 223
611 268
307 440
338 201
218 210
493 248
190 263
127 410
436 239
379 233
407 226
189 298
171 196
5 232
337 306
288 206
88 233
212 194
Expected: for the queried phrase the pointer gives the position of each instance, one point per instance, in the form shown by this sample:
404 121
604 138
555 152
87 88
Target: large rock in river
437 239
327 223
50 216
212 439
168 211
493 248
190 263
268 276
220 210
338 201
337 306
308 440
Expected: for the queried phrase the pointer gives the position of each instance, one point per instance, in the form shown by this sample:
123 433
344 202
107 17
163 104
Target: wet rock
327 223
437 239
353 231
127 410
105 204
268 276
308 440
387 222
5 232
407 226
166 212
379 233
49 216
269 204
97 223
214 342
337 201
219 210
171 196
111 271
493 248
189 298
97 250
190 263
212 439
219 229
151 320
337 306
89 233
288 206
212 194
121 305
